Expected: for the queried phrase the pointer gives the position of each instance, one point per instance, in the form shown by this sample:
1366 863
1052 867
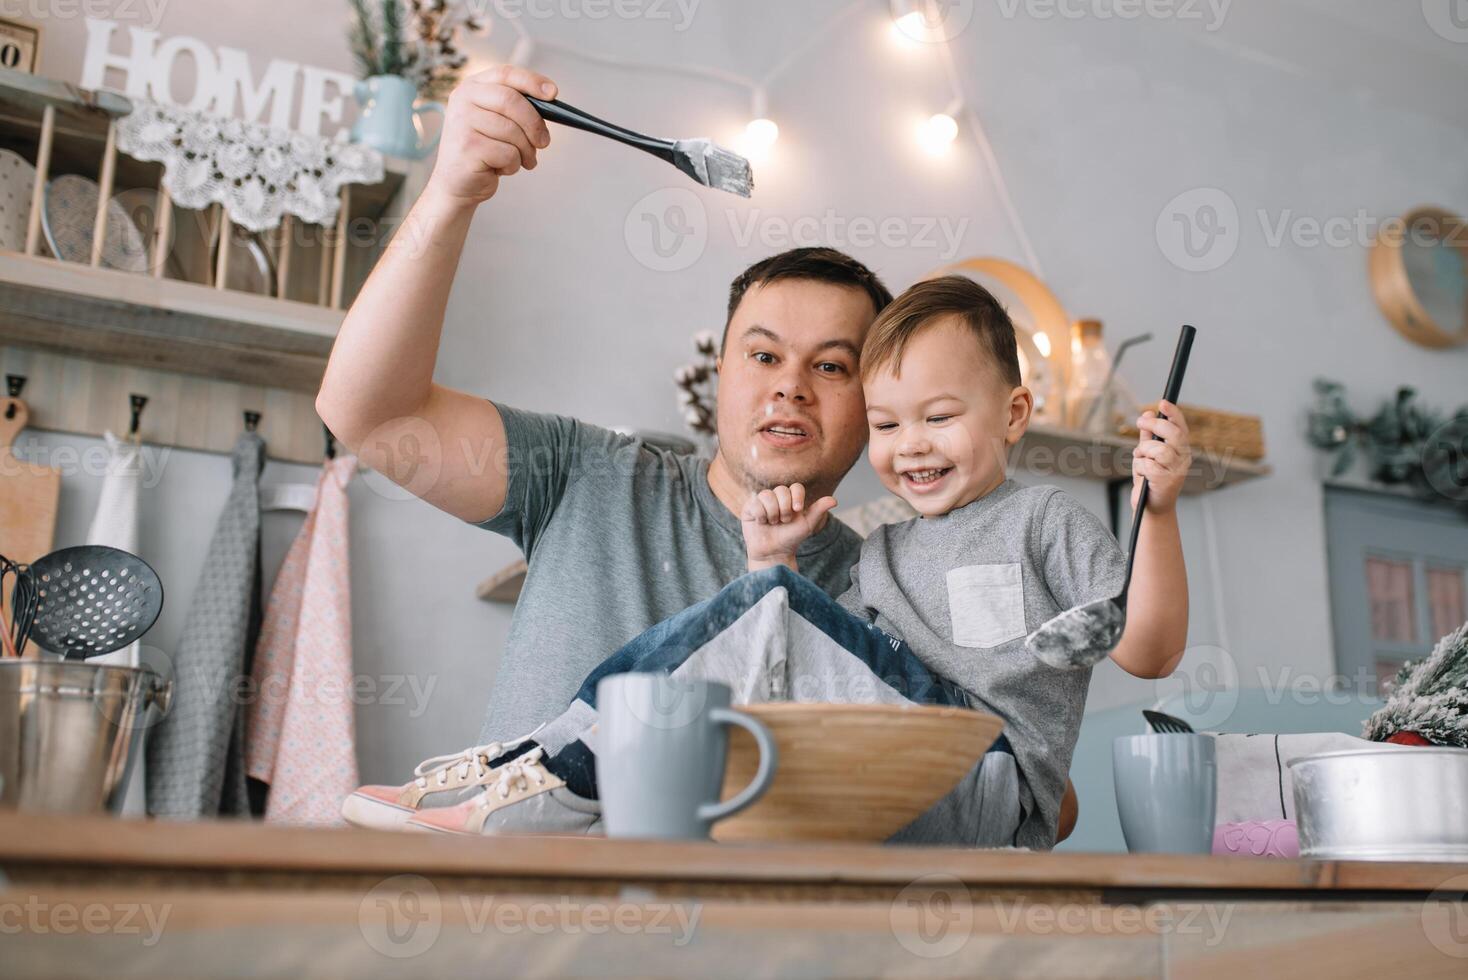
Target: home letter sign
223 81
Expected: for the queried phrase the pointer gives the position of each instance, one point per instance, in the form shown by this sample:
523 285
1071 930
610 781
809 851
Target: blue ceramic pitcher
389 121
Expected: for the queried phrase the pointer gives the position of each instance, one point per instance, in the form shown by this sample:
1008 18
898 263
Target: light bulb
759 137
938 133
910 28
762 132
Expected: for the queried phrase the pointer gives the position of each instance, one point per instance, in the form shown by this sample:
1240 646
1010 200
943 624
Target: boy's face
941 421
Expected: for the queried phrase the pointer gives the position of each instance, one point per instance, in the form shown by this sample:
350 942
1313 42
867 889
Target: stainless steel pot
69 732
1404 803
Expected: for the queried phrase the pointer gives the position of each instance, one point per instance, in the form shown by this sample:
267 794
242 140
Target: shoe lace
477 758
516 774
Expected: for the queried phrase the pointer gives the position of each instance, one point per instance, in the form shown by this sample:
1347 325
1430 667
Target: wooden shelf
164 324
31 94
505 584
1049 450
202 342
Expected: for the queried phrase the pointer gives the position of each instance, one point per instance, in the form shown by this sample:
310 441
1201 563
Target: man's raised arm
378 396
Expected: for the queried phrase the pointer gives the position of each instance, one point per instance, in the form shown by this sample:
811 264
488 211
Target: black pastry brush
702 159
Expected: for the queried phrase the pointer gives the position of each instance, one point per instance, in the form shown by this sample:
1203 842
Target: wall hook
14 385
252 421
138 403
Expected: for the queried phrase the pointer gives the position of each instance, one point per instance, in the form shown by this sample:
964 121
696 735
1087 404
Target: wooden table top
47 841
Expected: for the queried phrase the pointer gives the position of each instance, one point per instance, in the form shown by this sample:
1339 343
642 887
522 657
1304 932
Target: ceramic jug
389 121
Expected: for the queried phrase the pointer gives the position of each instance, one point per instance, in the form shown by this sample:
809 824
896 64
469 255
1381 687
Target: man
618 536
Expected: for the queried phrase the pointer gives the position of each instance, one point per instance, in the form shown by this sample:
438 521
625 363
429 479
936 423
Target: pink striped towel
299 729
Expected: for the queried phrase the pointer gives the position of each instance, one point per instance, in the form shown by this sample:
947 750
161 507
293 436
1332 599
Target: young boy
938 609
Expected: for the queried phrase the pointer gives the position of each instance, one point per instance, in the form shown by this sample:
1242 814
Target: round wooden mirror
1419 273
1042 326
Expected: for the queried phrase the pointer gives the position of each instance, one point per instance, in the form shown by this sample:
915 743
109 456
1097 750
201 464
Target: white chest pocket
986 604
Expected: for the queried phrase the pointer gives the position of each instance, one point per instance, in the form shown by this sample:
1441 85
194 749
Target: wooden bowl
851 772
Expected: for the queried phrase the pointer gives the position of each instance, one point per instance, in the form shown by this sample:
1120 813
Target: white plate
142 205
17 179
70 215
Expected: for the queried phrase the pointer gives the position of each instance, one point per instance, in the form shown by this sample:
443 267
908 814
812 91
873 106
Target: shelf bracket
1115 495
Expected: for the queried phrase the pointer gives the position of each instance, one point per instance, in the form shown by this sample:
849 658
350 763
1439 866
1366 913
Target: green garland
1404 444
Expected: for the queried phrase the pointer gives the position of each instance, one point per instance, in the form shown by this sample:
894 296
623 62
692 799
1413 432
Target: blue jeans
665 647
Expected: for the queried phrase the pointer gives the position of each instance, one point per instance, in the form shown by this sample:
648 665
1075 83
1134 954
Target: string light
909 28
937 133
915 22
759 138
762 132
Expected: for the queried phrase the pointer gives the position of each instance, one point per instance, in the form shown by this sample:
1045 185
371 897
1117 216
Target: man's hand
490 131
776 521
1163 464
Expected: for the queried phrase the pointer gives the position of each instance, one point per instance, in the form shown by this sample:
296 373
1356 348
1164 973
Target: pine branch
393 60
362 38
1429 697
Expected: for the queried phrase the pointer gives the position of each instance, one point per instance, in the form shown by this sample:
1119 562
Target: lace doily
257 173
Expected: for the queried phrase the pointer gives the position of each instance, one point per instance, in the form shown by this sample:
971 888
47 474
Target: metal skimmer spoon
93 599
1084 635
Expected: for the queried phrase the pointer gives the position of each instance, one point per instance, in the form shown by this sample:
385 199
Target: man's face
790 402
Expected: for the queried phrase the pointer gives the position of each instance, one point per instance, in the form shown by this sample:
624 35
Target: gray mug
1166 792
661 748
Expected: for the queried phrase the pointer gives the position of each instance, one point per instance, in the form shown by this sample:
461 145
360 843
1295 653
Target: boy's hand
1164 464
776 521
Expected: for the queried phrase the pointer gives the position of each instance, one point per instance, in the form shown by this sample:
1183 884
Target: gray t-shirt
965 589
619 536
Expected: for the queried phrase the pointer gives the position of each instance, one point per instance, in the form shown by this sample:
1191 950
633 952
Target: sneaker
436 782
523 797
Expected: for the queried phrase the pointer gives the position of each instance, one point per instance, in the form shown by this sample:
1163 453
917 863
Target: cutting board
28 497
28 493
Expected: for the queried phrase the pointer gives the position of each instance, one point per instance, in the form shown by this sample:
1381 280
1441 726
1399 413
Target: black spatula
1085 635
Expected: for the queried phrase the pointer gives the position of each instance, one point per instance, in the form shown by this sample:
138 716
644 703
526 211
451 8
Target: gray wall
1299 108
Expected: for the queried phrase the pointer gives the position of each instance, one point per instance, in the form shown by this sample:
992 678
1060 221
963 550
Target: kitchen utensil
28 491
20 614
663 743
70 732
93 599
69 216
702 159
17 178
852 772
1386 804
1166 792
1084 635
1166 724
1107 395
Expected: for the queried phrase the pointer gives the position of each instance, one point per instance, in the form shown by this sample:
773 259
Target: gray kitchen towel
196 754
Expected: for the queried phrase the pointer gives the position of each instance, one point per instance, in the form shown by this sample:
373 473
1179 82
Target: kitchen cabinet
194 326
